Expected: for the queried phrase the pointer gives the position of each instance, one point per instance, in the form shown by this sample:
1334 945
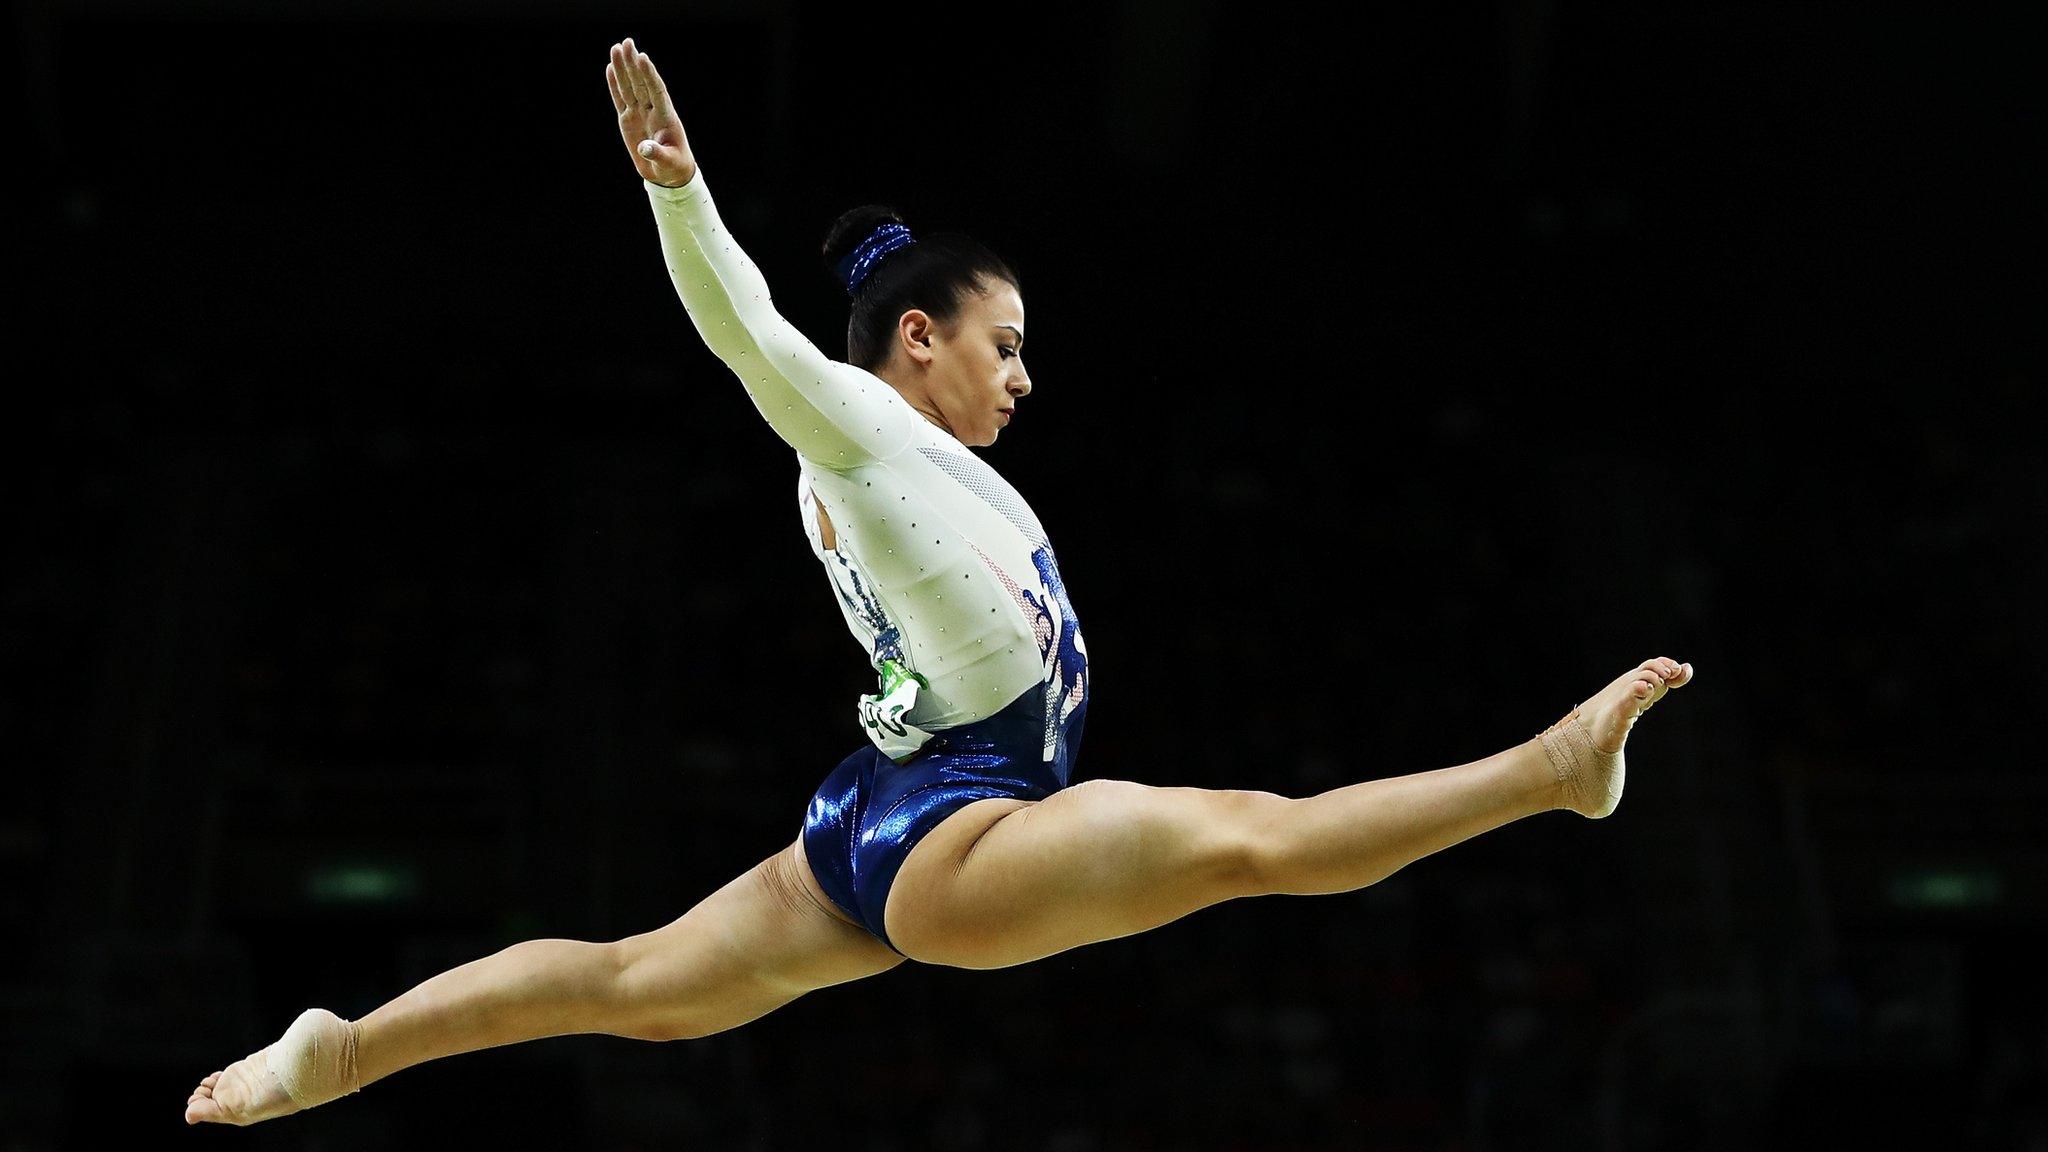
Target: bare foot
312 1063
242 1093
1585 748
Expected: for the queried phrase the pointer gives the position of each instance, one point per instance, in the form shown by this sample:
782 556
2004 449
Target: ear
914 330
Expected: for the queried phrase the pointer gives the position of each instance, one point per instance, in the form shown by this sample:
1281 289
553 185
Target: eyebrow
1013 328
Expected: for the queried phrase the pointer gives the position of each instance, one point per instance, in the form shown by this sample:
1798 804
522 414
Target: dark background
395 576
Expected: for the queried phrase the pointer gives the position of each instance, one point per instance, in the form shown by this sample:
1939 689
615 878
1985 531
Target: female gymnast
956 834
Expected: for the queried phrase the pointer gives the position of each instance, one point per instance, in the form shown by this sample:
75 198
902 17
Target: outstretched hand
647 123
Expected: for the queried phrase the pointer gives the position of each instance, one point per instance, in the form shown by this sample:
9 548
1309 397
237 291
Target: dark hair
935 274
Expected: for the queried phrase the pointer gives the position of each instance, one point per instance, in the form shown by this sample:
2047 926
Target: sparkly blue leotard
871 811
941 570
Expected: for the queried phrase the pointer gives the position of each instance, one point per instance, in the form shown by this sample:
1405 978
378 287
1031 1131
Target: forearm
718 285
831 412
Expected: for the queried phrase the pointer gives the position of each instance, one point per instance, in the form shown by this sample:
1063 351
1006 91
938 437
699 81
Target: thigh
762 940
995 886
922 887
853 951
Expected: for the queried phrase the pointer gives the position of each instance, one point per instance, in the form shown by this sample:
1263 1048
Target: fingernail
647 147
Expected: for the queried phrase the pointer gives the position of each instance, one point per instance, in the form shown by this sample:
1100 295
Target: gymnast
957 833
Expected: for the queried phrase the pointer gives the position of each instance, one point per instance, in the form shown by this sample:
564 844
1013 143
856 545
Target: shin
1360 834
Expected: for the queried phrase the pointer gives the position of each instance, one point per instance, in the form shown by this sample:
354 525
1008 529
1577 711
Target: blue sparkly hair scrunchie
858 263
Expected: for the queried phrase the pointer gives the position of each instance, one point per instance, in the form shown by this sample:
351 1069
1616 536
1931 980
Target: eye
1007 348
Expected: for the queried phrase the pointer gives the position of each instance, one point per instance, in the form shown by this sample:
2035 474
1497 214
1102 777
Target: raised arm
833 413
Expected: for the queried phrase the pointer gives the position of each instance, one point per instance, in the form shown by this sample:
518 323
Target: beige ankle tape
315 1059
1590 778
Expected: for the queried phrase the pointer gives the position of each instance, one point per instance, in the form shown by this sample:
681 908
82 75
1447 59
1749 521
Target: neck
923 405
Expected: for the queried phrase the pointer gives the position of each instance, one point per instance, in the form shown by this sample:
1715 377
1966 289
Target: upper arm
835 414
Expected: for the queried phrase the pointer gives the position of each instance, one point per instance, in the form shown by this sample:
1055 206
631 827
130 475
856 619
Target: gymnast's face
971 369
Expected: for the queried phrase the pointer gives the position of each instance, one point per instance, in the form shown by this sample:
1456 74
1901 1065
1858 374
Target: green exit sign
1950 887
362 884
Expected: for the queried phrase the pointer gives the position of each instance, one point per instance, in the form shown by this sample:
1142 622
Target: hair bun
859 239
886 271
860 263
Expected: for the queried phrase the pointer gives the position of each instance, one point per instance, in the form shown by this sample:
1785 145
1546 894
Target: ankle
1589 780
315 1060
351 1071
1549 773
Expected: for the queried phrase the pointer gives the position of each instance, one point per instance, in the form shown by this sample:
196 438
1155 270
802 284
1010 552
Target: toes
202 1111
1673 672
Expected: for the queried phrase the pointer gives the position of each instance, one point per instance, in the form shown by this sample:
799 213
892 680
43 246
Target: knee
634 965
635 961
1227 835
684 988
1261 852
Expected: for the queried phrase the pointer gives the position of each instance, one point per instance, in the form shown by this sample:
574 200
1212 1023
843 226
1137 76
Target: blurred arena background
395 576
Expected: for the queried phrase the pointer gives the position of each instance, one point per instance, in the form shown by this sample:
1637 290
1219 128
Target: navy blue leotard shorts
871 811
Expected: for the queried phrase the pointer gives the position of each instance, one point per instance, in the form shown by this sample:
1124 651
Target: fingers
643 95
622 75
646 119
611 81
623 72
656 89
635 82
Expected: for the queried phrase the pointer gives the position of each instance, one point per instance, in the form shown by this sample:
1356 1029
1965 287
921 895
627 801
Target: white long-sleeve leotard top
939 565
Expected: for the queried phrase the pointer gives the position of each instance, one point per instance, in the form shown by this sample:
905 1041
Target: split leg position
758 943
1000 882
